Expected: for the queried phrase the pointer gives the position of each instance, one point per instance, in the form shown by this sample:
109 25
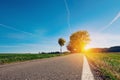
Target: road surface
67 67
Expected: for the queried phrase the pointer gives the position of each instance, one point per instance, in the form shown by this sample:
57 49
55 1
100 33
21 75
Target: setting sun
87 47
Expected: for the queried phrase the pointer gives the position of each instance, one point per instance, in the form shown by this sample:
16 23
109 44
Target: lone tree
78 41
61 42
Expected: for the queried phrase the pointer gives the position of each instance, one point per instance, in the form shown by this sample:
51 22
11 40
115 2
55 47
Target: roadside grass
9 58
107 63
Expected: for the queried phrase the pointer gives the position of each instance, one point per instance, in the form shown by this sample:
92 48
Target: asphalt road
67 67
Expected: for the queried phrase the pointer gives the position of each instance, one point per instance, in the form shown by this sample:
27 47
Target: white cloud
8 46
32 48
16 36
15 29
104 40
114 20
68 15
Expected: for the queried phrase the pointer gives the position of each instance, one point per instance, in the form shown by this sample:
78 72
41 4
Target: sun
87 47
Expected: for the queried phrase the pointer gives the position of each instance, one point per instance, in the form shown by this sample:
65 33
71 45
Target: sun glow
87 47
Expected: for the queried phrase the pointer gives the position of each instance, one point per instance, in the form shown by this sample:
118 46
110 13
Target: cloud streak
113 21
68 15
116 18
15 29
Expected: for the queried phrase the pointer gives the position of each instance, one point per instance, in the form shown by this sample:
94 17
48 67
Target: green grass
9 58
108 64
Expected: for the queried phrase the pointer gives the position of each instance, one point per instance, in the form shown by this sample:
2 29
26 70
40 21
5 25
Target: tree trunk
60 49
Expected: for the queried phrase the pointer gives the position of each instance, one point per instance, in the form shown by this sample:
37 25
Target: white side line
86 72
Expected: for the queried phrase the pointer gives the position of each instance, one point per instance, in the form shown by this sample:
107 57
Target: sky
36 25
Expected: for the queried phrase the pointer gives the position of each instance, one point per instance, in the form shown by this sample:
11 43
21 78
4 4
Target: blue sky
36 25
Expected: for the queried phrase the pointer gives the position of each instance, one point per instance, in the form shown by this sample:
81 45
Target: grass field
8 58
108 64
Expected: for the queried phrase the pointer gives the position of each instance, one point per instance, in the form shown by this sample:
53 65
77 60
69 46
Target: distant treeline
49 52
57 52
111 49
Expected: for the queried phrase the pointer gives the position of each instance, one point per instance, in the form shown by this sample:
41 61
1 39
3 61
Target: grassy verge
9 58
107 65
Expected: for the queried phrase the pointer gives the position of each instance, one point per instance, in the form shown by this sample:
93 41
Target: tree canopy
61 42
78 41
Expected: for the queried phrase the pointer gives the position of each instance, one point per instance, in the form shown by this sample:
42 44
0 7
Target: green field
108 65
8 58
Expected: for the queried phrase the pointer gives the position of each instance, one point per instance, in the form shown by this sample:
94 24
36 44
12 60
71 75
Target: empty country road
67 67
